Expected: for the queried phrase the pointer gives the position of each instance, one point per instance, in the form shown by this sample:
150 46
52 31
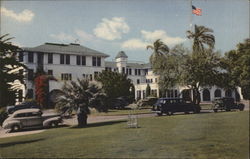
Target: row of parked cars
29 115
170 106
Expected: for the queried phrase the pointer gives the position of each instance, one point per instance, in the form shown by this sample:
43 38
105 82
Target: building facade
72 61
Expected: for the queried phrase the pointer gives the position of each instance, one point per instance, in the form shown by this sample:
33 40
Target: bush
3 115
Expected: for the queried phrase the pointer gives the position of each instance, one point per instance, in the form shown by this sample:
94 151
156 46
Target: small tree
116 85
148 90
80 96
42 88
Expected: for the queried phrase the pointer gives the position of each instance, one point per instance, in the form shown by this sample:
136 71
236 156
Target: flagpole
191 15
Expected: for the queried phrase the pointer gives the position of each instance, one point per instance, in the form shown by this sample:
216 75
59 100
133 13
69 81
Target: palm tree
80 96
9 70
201 36
159 49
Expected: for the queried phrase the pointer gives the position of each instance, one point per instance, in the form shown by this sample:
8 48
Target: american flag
196 11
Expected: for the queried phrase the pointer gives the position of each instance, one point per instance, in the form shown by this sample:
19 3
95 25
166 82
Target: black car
227 104
26 105
171 105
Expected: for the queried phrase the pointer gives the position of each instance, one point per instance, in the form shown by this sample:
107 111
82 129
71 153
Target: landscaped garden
207 135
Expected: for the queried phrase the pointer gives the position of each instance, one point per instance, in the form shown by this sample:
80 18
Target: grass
223 135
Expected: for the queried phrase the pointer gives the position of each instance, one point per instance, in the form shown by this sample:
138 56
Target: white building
71 61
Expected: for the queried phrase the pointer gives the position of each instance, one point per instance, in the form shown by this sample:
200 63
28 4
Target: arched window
206 95
228 93
217 93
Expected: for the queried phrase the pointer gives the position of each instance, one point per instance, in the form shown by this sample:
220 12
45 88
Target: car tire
15 128
53 124
241 107
215 110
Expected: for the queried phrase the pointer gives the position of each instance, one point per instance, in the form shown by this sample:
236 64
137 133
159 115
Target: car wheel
15 128
215 110
53 124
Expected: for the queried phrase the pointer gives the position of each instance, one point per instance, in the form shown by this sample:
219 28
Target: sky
110 26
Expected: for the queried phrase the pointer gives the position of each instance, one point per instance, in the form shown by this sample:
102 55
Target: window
30 93
20 95
31 57
126 70
20 56
50 72
138 81
175 93
67 59
217 93
83 75
155 80
90 77
130 71
123 69
66 76
98 61
20 115
61 59
84 60
93 61
78 60
135 71
40 58
50 58
30 74
139 72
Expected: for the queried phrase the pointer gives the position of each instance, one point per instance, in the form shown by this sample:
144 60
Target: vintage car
30 118
148 101
171 105
227 104
25 105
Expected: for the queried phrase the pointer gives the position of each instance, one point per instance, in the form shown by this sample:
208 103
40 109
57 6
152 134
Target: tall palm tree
201 36
9 70
159 49
80 96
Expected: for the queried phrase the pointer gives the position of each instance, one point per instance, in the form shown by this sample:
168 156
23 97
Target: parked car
30 118
148 101
171 105
119 103
26 105
227 104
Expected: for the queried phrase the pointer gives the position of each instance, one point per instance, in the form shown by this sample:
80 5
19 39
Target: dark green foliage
148 90
237 66
80 96
116 85
9 70
3 115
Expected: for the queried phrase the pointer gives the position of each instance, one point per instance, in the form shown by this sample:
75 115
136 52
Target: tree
201 36
9 70
159 51
42 88
80 96
237 66
148 90
116 85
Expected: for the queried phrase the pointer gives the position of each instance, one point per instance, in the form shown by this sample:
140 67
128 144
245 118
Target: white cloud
134 44
149 37
84 36
63 37
111 29
25 16
161 34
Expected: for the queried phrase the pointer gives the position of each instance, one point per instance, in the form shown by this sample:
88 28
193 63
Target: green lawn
223 135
